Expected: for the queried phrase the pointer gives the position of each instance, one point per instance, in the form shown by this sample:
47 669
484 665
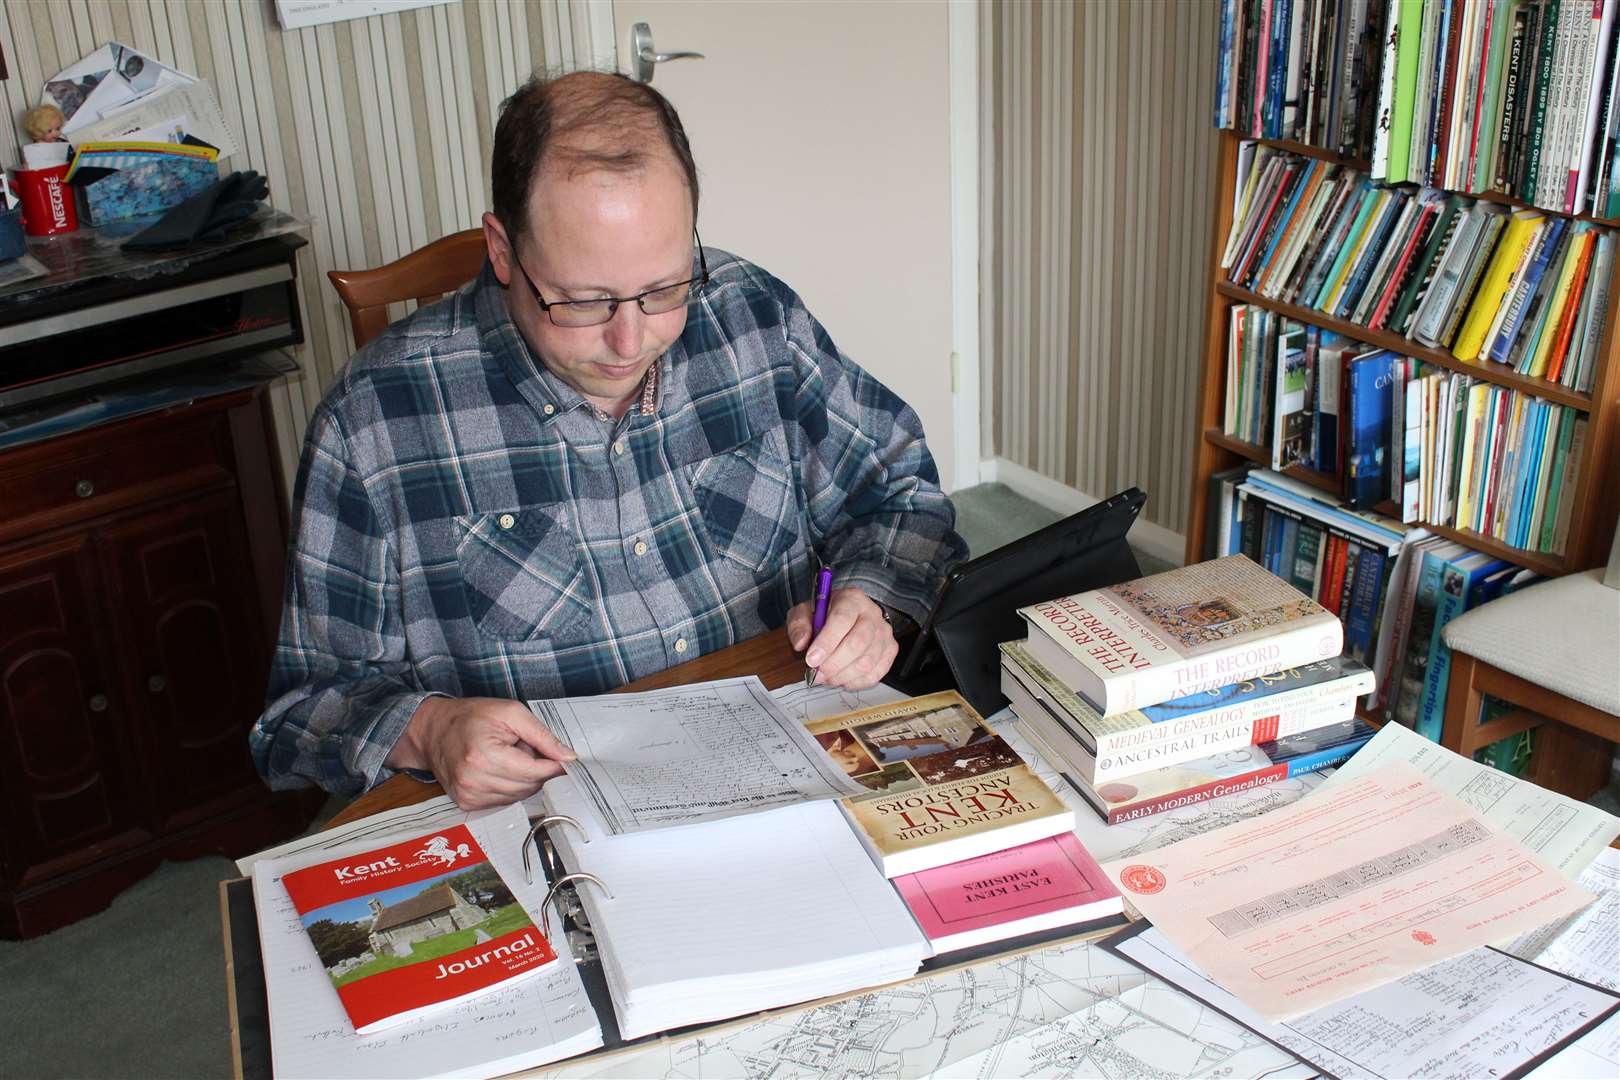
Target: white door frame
963 58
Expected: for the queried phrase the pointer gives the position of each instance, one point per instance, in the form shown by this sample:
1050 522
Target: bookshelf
1597 490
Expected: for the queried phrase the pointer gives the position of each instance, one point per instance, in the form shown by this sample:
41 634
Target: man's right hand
483 751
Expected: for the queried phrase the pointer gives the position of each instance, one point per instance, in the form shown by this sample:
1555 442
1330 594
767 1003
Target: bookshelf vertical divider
1597 490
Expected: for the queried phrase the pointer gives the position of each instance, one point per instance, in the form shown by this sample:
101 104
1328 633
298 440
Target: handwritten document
1358 885
1564 832
1481 1014
530 1022
690 753
1586 945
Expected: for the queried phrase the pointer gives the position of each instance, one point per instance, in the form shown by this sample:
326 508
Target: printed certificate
1348 889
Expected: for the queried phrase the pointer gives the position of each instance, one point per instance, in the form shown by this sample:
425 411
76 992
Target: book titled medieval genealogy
942 786
1192 726
1194 628
1229 772
1023 890
414 926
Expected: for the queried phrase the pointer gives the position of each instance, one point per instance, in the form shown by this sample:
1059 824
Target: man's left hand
856 645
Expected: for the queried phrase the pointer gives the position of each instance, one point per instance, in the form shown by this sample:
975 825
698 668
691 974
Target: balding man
615 451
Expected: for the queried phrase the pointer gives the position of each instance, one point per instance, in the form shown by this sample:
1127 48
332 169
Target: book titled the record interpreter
1164 636
414 926
943 786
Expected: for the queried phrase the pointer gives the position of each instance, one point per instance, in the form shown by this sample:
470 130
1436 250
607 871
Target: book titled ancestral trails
1167 635
944 787
414 926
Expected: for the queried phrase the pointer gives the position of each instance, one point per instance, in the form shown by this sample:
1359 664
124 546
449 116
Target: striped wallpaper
1099 157
376 131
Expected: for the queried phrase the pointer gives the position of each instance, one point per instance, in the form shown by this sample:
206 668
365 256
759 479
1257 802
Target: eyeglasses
665 298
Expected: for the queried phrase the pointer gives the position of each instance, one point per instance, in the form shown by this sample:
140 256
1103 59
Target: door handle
645 57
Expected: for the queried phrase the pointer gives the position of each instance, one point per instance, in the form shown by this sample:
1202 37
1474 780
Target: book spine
1502 180
1247 723
1538 107
1313 639
1358 631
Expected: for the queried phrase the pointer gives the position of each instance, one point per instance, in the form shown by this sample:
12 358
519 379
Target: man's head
595 196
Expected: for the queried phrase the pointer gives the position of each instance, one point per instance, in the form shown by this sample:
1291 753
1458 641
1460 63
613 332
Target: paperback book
415 926
1186 630
1338 734
943 787
1022 890
1252 711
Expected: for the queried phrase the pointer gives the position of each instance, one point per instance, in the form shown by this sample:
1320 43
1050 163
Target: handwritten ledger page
690 753
1349 889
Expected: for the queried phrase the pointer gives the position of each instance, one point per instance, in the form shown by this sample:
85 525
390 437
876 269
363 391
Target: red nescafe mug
47 204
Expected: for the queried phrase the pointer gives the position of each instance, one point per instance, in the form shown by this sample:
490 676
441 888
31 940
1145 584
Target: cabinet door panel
196 652
64 770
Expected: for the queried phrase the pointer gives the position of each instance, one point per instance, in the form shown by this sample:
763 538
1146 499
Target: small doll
43 124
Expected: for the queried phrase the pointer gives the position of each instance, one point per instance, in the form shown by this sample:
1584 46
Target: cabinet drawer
89 478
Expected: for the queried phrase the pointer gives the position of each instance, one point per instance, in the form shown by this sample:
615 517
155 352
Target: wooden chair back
424 275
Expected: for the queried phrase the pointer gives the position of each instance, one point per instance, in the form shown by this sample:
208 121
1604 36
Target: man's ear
501 255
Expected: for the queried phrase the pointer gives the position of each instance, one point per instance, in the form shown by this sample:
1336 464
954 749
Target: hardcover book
944 787
1194 628
415 926
1022 890
1330 743
1182 729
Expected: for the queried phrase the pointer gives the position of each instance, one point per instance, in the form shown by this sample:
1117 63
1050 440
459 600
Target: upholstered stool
1553 650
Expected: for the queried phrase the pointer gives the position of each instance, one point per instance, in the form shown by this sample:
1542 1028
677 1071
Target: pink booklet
1049 883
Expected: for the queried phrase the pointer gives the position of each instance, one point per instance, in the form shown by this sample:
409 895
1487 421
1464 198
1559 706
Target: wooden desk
769 656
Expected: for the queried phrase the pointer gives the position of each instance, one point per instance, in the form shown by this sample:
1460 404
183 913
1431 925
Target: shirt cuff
888 586
378 742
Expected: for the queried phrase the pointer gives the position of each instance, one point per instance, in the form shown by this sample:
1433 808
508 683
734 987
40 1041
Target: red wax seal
1142 879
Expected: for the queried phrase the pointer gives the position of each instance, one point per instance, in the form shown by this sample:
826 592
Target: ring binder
553 865
556 886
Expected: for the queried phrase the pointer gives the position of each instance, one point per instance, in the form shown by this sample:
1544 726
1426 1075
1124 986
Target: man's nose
624 330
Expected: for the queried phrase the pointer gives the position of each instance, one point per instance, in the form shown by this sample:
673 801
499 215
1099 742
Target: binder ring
528 872
578 875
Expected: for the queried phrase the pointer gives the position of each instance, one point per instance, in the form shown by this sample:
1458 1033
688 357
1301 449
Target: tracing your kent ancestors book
943 786
1164 636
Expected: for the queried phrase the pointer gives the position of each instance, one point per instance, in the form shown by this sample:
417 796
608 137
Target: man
614 452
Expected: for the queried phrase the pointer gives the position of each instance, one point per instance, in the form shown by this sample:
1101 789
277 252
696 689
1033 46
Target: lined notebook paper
733 916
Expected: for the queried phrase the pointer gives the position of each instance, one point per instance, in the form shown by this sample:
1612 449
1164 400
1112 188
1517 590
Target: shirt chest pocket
746 503
522 575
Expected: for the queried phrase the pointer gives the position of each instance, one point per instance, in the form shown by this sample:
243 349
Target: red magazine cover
415 926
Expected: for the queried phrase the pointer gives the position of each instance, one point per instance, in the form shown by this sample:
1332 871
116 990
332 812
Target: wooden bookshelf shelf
1500 374
1361 165
1541 562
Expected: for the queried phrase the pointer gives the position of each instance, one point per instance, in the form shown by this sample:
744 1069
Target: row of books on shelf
1439 446
1511 96
1519 288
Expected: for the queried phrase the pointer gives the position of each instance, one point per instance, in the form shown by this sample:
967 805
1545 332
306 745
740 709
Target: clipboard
977 605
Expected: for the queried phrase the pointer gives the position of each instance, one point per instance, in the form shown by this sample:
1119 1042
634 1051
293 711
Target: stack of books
1184 686
1514 97
1523 289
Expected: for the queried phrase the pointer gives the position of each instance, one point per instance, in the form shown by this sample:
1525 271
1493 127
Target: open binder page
689 753
533 1021
733 916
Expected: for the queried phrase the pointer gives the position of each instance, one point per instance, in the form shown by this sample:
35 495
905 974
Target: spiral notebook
712 920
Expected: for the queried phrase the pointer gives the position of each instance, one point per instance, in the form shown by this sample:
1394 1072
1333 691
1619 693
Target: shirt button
618 447
641 547
507 521
550 409
680 644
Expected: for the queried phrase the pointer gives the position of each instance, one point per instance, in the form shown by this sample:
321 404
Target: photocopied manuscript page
1349 889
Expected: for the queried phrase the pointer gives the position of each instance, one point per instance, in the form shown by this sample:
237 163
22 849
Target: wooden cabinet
139 589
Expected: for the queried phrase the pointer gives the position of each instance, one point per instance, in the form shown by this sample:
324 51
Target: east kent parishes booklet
415 926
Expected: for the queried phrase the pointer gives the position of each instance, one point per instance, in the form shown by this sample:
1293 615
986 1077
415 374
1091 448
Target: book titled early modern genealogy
943 787
415 926
1167 635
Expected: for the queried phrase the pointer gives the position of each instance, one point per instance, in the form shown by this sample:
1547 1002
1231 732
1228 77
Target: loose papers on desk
537 1020
1364 882
689 753
119 93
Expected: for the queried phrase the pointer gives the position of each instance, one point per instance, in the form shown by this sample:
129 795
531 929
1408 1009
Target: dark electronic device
977 606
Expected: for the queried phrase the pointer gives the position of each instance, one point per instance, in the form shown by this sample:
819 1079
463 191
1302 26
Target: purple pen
819 618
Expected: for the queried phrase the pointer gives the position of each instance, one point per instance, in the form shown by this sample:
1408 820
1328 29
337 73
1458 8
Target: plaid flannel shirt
467 524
